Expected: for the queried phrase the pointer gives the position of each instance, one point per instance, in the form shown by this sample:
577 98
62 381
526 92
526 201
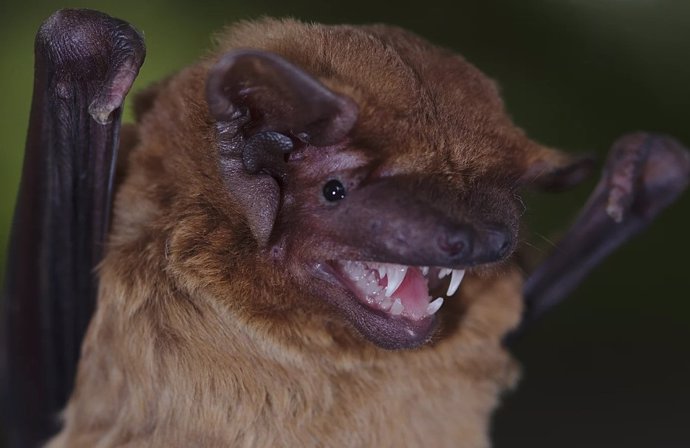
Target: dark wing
85 64
643 175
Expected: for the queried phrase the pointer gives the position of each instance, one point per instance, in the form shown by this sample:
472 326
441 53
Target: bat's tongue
413 293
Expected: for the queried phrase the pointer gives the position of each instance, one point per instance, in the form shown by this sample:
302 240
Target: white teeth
369 275
455 280
382 270
386 304
443 272
397 308
434 306
396 275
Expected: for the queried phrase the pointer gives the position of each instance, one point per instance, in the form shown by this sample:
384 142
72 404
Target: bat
312 242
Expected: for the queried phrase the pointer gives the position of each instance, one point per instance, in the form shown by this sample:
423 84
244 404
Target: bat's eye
333 190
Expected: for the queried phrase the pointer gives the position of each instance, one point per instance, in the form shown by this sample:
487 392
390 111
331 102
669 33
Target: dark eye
333 190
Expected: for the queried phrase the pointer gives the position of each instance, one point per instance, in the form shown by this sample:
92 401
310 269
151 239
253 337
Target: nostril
498 242
456 243
505 247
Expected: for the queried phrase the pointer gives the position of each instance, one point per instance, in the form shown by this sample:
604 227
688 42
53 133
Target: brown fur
199 339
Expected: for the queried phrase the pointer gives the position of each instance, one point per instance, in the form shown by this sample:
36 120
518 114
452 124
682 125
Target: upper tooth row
396 275
455 279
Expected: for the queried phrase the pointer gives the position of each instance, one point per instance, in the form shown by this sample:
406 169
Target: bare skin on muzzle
289 213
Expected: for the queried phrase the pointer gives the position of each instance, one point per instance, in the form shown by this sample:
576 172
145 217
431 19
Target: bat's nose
471 246
494 242
457 245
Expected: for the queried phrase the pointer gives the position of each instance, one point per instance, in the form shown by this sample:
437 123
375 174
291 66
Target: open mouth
393 305
398 290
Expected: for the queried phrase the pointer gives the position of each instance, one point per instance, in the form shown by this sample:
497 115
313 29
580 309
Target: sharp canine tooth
397 308
434 306
396 275
425 270
455 280
443 272
382 271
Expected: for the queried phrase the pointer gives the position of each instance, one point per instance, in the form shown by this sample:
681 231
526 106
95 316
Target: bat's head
367 167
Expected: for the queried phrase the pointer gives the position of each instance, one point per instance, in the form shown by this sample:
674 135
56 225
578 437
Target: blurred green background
610 367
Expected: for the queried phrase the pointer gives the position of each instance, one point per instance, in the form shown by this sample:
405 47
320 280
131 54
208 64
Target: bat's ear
279 97
552 170
263 105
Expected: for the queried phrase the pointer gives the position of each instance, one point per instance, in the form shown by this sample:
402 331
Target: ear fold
261 104
553 170
279 97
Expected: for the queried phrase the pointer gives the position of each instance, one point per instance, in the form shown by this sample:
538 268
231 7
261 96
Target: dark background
610 367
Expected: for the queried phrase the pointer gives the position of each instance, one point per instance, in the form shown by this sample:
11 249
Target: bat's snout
403 247
390 222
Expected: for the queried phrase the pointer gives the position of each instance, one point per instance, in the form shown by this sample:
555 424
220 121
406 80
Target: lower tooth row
434 306
396 307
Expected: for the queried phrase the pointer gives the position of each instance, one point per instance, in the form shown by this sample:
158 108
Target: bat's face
369 177
387 246
388 226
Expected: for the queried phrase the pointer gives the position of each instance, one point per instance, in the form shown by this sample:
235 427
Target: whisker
546 239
